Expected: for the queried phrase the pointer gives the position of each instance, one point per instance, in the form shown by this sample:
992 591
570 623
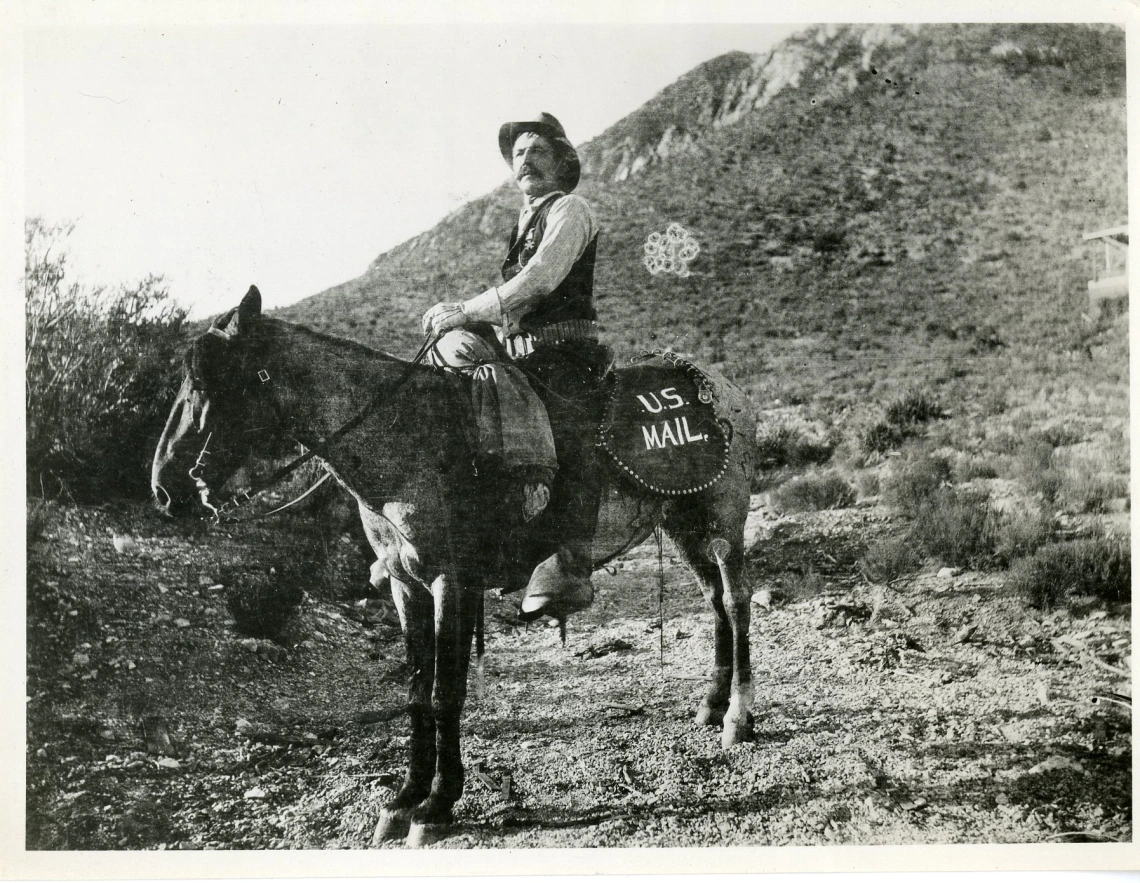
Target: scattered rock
124 545
965 634
605 648
1012 732
254 793
272 652
157 736
1057 762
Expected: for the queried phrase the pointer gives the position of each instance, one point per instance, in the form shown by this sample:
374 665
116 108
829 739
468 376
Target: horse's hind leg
738 719
417 617
714 549
714 704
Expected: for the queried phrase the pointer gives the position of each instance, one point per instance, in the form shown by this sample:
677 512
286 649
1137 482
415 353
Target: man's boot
559 586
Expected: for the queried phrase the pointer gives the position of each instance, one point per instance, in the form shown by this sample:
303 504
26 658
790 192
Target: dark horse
257 385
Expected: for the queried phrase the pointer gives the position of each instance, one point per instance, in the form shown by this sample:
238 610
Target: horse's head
217 418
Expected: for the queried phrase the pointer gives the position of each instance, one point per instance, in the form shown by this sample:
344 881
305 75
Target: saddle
660 427
654 426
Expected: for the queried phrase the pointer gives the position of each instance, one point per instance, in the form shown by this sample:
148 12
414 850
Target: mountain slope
873 203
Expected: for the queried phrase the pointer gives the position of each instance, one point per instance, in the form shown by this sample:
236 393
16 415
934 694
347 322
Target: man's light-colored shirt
570 227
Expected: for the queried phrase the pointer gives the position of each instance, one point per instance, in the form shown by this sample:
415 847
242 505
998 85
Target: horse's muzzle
169 505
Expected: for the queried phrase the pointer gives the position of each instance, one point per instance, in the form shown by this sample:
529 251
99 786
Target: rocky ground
936 710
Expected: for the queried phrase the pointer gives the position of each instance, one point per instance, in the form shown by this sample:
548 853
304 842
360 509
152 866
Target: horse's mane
205 350
342 343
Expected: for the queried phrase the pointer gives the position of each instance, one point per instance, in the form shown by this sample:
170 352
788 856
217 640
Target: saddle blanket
661 428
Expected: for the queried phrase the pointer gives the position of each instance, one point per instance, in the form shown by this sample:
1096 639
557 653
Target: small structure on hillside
1112 283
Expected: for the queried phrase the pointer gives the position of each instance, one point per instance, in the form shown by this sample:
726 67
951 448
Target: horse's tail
480 649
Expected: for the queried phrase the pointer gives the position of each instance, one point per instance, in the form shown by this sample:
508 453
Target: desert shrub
869 483
986 340
1098 566
1019 534
1036 470
914 482
969 468
1060 435
799 586
883 437
100 373
889 558
788 446
1087 493
811 493
1005 443
902 420
913 408
828 240
954 526
1088 485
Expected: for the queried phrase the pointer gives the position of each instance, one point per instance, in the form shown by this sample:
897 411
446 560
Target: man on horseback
543 315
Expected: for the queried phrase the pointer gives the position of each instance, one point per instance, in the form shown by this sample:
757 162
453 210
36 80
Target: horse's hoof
393 825
735 732
425 834
708 716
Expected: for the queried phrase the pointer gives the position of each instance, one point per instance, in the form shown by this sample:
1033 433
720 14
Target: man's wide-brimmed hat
548 127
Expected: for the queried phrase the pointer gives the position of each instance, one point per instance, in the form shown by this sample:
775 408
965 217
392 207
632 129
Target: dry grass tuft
1100 567
790 446
903 420
889 559
812 493
956 527
914 482
1018 534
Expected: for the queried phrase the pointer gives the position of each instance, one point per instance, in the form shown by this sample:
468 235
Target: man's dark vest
574 297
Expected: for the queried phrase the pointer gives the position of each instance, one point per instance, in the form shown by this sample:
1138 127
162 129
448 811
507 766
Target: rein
245 496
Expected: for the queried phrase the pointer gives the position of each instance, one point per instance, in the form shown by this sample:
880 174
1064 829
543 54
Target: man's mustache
528 170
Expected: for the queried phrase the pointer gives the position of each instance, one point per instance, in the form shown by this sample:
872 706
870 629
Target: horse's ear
248 311
222 323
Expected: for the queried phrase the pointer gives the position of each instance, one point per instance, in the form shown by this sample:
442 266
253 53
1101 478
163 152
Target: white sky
290 156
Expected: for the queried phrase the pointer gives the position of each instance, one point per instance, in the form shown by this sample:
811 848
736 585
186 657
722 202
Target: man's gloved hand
443 317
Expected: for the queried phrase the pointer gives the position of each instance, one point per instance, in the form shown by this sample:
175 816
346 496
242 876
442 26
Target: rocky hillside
876 206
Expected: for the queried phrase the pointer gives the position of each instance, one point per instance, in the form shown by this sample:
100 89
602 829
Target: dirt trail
937 711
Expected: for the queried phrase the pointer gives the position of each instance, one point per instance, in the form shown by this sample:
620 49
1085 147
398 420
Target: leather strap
519 345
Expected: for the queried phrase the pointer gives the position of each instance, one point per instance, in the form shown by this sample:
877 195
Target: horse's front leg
455 611
417 619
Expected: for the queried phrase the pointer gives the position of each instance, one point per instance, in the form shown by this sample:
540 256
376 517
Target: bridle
224 513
